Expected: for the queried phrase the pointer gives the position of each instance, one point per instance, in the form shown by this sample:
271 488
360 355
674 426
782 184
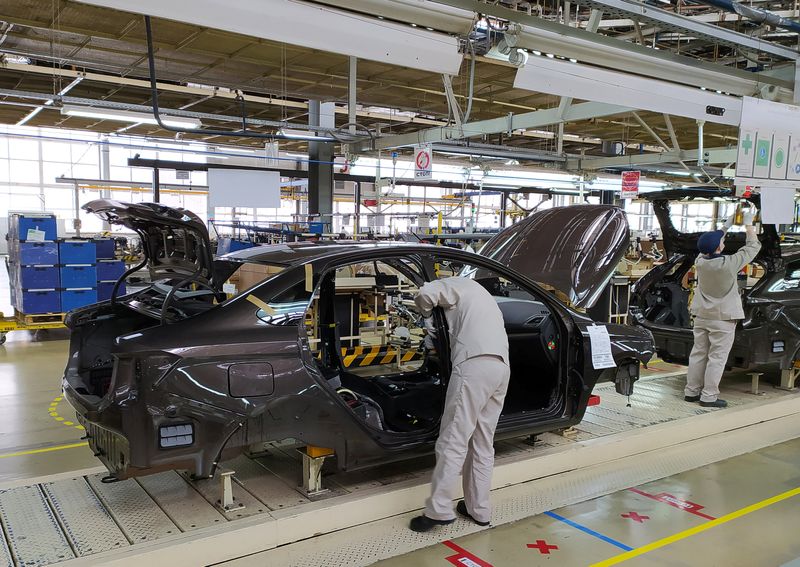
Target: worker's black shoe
424 523
715 404
692 398
461 508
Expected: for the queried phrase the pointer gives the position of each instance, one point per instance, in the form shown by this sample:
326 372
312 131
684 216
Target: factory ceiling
46 44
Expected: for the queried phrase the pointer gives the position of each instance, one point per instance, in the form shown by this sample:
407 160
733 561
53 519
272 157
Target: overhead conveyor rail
167 518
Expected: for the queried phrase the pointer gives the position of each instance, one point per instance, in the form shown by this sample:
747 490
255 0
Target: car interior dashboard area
369 342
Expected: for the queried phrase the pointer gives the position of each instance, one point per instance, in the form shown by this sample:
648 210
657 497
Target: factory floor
736 512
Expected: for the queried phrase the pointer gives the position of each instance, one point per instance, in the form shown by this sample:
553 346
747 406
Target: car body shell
770 332
240 383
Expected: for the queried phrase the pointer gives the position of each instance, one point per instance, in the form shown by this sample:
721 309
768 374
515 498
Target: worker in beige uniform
717 307
474 400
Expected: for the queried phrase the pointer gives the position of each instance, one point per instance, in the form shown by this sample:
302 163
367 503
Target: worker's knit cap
709 241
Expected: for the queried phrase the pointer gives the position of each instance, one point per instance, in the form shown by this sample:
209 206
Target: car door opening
368 341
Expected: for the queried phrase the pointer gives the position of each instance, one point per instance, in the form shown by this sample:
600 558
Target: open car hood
573 249
676 242
175 241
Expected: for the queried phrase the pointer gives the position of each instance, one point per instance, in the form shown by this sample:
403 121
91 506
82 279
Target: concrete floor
38 434
39 437
689 519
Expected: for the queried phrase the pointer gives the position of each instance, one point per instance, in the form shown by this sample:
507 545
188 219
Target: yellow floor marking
697 529
44 450
54 414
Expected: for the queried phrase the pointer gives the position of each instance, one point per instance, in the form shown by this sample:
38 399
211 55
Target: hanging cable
151 62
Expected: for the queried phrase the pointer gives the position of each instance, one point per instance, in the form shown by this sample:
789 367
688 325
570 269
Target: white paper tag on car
601 347
229 288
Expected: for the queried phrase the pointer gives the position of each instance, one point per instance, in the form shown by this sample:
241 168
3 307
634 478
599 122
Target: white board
244 188
777 205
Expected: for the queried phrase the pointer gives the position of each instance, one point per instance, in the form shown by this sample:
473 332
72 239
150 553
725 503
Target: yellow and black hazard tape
367 356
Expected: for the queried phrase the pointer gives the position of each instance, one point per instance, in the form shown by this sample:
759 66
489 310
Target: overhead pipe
756 15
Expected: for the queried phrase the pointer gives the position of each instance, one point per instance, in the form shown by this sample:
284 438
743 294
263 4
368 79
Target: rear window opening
368 340
667 301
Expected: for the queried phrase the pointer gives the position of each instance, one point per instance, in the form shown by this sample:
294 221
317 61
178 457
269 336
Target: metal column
156 185
105 174
320 166
351 94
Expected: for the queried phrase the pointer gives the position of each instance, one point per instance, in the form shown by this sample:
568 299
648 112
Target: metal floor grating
81 517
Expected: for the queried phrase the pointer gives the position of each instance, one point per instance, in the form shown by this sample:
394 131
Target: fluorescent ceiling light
50 101
127 116
310 25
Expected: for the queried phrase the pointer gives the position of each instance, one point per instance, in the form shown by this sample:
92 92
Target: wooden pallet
38 319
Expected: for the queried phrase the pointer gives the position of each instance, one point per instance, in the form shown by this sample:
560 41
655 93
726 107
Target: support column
156 185
320 167
105 174
351 94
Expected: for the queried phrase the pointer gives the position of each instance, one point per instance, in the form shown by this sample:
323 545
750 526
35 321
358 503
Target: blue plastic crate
78 275
104 248
104 290
34 302
19 225
37 277
33 253
77 252
110 270
74 298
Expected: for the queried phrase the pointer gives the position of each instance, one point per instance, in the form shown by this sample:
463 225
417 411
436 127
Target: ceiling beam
677 22
604 51
510 123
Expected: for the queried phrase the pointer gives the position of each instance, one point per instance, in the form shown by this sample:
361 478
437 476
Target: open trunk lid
677 242
175 241
573 249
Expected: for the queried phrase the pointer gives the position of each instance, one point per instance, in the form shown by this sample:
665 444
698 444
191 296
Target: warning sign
423 162
630 184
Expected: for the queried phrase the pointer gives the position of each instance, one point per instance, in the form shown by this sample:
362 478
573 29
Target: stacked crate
33 263
109 270
78 270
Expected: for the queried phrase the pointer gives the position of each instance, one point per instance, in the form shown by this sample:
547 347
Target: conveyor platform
167 519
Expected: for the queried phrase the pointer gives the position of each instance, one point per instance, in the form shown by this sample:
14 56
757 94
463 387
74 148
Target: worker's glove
729 222
428 342
747 217
430 327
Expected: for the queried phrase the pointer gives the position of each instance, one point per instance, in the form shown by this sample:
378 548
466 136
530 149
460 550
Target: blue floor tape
589 531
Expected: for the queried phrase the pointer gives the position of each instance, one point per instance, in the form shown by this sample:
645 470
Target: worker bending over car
717 307
474 400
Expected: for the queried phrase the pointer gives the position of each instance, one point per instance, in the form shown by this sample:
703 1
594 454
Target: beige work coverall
716 306
475 394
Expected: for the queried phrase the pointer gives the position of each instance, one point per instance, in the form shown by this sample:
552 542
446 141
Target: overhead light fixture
128 116
595 84
49 102
310 25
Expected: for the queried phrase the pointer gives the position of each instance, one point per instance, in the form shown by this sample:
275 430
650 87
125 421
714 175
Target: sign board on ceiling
769 144
246 188
182 174
423 162
630 184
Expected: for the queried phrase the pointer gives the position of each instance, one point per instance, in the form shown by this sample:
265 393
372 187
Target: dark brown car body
770 331
184 386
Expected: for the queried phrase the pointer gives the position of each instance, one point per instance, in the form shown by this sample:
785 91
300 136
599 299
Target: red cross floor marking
543 547
635 517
